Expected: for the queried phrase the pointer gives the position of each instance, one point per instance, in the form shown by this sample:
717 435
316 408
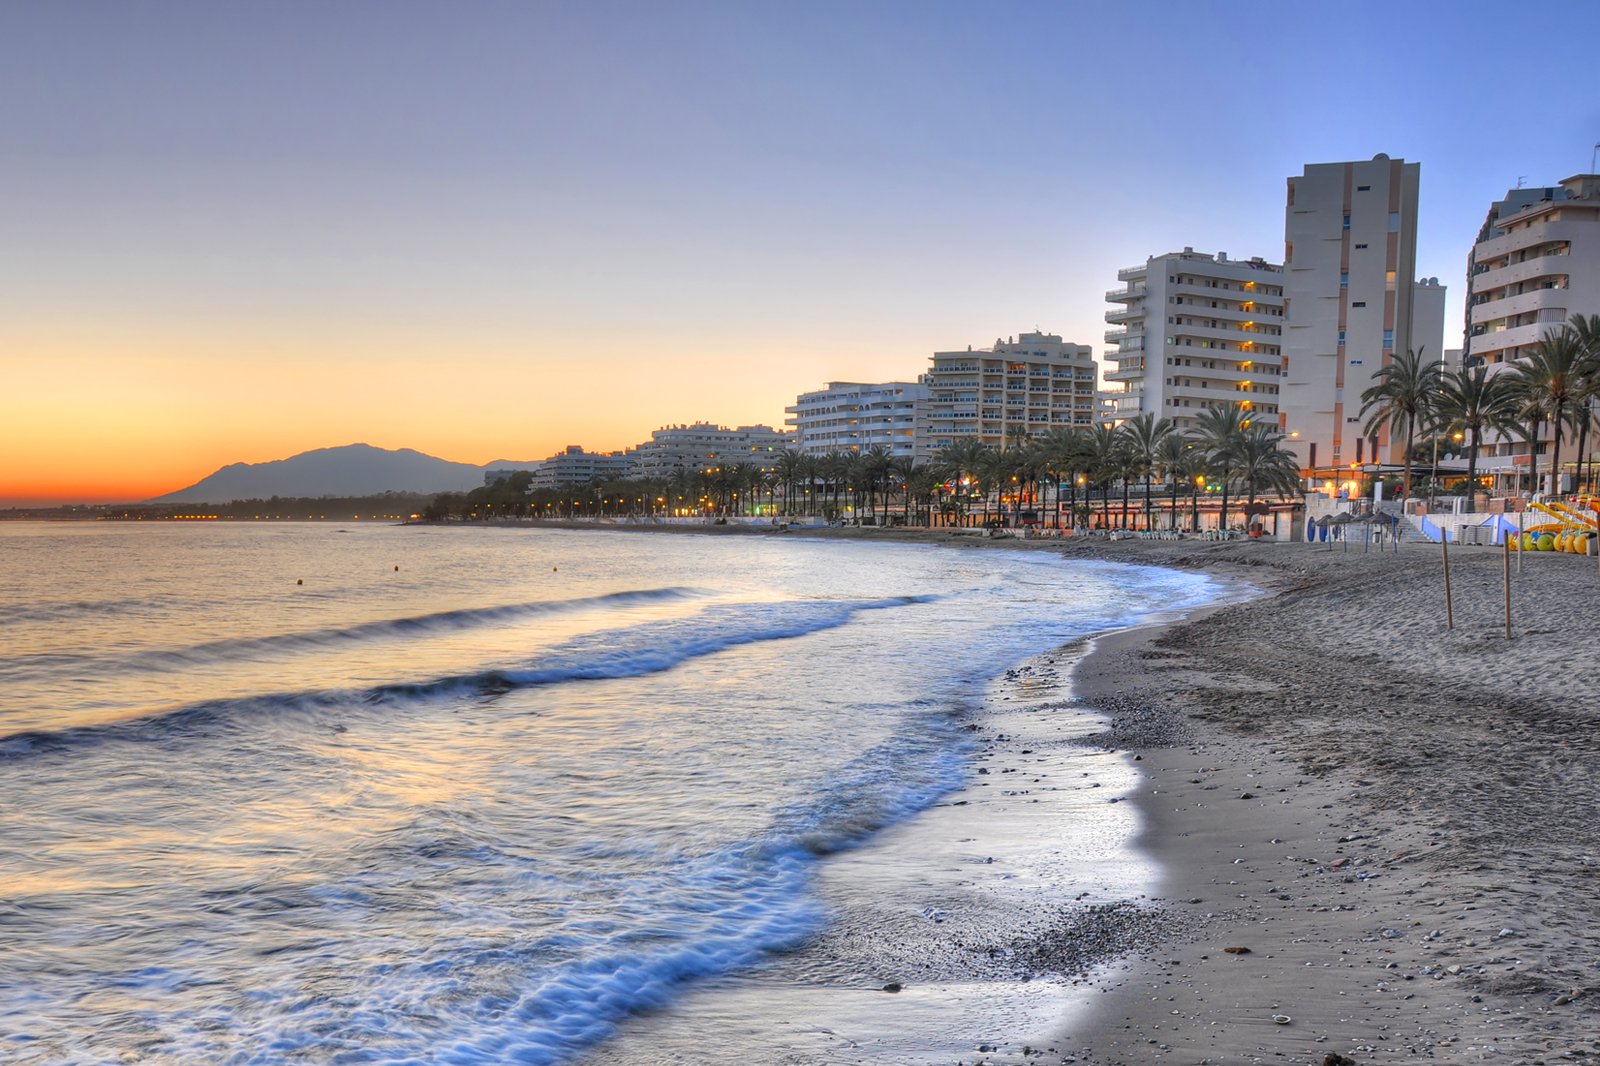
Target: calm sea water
270 799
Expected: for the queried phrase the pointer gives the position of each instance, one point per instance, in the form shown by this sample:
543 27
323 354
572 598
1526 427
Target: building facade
1026 385
1535 264
1194 331
1350 248
573 467
703 446
850 416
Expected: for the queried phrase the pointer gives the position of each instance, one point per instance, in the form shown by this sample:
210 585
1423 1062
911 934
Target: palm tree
1220 430
995 472
901 469
1265 464
1144 434
921 482
1060 456
960 461
1175 460
1101 459
875 464
1473 400
787 469
1587 330
1552 377
1404 397
834 467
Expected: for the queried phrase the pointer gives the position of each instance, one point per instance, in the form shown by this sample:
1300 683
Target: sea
281 793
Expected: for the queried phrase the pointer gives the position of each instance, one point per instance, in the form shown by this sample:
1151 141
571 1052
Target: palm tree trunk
1555 456
1472 473
1406 491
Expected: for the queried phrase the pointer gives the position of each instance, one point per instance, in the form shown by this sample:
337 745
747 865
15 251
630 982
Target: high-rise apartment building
1350 249
850 416
1195 331
1535 264
574 466
702 445
1026 385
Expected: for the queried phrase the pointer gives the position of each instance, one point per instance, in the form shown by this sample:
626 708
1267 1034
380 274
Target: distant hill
353 470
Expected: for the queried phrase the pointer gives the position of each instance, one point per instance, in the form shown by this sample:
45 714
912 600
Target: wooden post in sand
1444 550
1506 567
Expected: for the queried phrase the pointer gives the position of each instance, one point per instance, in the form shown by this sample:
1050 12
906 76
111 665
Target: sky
235 232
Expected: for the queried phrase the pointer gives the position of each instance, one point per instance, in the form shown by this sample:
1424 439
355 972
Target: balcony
1527 270
1530 237
1133 273
1124 315
1553 305
1132 292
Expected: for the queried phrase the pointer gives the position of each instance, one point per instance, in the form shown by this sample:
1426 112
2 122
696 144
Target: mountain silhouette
353 470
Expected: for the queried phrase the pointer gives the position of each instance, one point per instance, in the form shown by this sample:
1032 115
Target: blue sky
334 219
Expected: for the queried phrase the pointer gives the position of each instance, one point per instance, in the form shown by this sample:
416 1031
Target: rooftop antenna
1522 179
1592 156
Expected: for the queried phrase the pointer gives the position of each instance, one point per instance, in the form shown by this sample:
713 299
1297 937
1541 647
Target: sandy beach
1382 829
1376 833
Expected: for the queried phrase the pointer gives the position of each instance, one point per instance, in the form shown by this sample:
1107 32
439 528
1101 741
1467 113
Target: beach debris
1237 950
892 986
935 914
1392 934
1282 1019
1333 1058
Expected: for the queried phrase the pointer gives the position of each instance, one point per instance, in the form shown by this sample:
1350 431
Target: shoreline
1392 817
1342 818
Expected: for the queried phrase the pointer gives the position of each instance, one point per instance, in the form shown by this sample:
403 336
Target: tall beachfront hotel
1536 263
1350 250
855 416
1023 386
1195 331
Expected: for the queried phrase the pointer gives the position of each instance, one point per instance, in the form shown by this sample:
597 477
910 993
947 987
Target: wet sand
1378 837
1384 831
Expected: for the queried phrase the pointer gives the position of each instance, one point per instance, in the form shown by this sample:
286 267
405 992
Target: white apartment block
853 417
1195 331
702 446
574 466
1535 264
1350 247
1029 384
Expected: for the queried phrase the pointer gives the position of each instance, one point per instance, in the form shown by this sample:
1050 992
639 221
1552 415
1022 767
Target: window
1363 188
1360 246
1344 280
1359 303
1388 338
1394 222
1341 338
1347 220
